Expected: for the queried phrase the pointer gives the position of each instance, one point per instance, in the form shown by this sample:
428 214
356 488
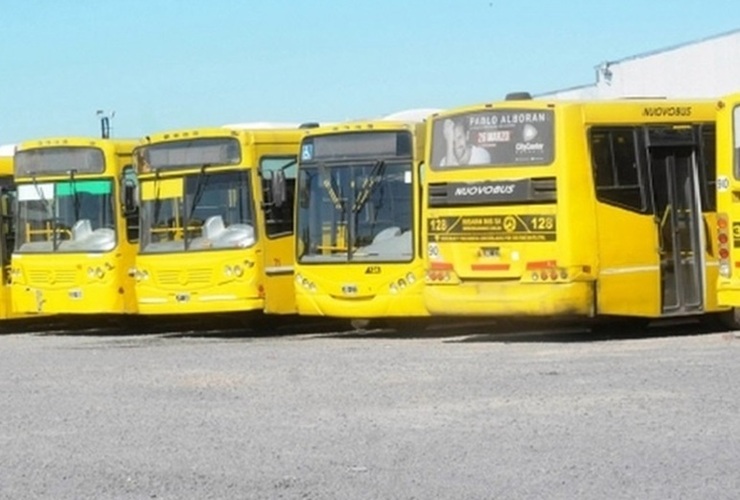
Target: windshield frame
175 220
51 206
351 190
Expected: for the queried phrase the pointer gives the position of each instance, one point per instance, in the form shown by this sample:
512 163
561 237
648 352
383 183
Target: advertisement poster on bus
498 137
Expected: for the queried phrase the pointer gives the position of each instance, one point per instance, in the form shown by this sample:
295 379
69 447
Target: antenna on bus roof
105 122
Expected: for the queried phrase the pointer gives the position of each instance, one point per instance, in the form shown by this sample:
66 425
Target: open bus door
674 176
651 231
628 282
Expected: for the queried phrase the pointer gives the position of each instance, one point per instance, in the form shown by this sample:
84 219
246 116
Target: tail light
723 245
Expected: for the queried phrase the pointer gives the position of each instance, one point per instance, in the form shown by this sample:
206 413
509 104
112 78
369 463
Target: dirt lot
464 415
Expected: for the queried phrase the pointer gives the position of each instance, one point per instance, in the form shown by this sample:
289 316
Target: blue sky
164 64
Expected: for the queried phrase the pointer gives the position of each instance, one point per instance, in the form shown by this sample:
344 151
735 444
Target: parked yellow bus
540 208
76 227
217 220
358 241
7 233
728 199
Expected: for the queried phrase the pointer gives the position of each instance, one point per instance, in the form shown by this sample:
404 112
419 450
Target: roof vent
518 96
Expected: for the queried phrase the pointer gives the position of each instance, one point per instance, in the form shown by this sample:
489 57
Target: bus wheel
408 325
360 324
726 319
618 326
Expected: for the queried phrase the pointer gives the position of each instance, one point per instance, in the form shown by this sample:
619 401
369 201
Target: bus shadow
529 332
195 326
594 333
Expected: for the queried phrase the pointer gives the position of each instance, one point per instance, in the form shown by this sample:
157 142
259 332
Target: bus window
616 168
278 186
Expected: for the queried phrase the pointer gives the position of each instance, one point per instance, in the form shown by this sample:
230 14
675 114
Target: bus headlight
95 272
410 278
228 271
238 271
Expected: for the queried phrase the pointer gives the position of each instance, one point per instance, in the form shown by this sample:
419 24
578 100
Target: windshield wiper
75 194
326 182
339 204
157 199
48 208
200 188
368 186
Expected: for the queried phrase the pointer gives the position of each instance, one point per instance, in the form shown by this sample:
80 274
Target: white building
704 68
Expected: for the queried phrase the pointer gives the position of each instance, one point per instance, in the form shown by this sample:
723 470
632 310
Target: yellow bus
358 241
76 227
7 233
217 220
728 200
543 208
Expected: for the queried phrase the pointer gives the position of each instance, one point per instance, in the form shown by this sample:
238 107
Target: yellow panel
728 200
162 189
617 248
376 291
79 282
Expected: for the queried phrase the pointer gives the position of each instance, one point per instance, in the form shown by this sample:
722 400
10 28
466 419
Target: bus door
629 265
674 190
278 176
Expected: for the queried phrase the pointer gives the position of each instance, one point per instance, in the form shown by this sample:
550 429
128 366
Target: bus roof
411 115
261 125
75 141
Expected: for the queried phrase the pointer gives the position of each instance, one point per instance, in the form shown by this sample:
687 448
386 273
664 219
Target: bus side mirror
277 187
130 204
274 189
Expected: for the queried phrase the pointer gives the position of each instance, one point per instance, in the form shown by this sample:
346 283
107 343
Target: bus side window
130 202
616 168
7 205
278 176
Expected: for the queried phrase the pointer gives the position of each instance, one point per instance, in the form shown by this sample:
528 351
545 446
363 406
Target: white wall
703 69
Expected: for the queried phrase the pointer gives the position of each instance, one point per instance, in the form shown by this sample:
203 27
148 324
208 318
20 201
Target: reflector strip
441 266
490 267
543 264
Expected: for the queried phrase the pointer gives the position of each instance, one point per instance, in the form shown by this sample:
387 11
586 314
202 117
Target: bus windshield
66 216
358 212
197 212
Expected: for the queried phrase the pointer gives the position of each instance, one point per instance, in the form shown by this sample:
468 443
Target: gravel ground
369 417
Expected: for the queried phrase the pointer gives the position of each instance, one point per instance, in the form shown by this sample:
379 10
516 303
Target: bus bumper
510 299
76 300
196 303
728 294
377 306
